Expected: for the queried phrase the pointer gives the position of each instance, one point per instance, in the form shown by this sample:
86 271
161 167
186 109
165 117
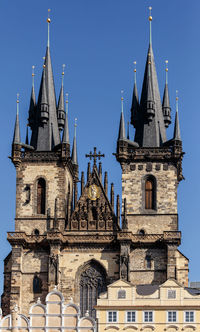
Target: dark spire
150 128
16 136
65 138
122 133
45 129
27 140
32 106
177 133
166 104
61 108
74 148
135 101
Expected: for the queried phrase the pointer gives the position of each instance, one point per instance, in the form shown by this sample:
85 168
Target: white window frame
176 321
148 319
171 290
185 316
112 316
126 316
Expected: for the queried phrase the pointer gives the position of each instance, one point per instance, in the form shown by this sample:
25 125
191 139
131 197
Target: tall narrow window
149 194
41 193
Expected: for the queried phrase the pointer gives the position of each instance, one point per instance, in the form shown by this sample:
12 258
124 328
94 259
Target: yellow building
167 307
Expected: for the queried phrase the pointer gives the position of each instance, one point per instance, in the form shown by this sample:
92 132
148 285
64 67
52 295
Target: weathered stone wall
139 271
58 180
133 185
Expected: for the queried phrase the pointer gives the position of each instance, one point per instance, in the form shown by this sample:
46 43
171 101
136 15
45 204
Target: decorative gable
93 210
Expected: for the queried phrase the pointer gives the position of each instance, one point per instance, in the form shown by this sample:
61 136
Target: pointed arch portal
92 283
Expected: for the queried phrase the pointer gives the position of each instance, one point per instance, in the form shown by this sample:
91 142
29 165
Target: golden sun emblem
93 192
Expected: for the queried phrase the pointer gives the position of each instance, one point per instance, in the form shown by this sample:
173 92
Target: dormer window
121 294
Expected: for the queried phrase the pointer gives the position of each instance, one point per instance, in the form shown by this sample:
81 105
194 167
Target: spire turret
66 127
166 104
135 101
32 106
45 133
74 148
61 108
177 132
122 133
16 136
150 127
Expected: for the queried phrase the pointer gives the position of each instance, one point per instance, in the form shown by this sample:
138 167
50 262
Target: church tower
60 239
77 243
151 171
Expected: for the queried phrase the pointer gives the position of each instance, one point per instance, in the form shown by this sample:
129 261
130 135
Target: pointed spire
135 101
66 127
150 128
122 133
128 136
74 148
177 133
32 106
16 136
61 108
46 131
166 104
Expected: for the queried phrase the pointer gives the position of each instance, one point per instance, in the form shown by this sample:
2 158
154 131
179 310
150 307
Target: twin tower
82 243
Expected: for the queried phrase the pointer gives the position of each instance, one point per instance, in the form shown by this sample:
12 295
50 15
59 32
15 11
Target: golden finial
48 18
122 101
166 70
48 21
44 61
75 123
67 95
33 74
122 91
150 17
63 72
17 103
134 62
176 94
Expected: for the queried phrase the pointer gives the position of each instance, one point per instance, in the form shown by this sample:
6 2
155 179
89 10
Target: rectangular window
189 316
171 294
130 316
148 316
171 316
112 316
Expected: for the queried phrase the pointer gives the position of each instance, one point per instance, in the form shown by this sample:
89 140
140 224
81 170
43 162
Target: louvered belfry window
41 193
149 194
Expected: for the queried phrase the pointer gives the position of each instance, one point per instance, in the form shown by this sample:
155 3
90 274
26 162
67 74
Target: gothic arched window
92 283
150 194
37 285
41 196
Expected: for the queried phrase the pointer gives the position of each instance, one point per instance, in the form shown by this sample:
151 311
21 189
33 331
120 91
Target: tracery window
92 283
41 196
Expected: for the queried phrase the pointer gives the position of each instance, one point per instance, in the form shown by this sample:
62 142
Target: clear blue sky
98 41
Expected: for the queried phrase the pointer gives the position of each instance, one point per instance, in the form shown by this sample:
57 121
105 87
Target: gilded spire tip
33 74
135 70
177 101
75 123
150 20
48 21
122 101
166 71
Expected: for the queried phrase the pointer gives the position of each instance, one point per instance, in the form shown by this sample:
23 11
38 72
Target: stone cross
95 155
